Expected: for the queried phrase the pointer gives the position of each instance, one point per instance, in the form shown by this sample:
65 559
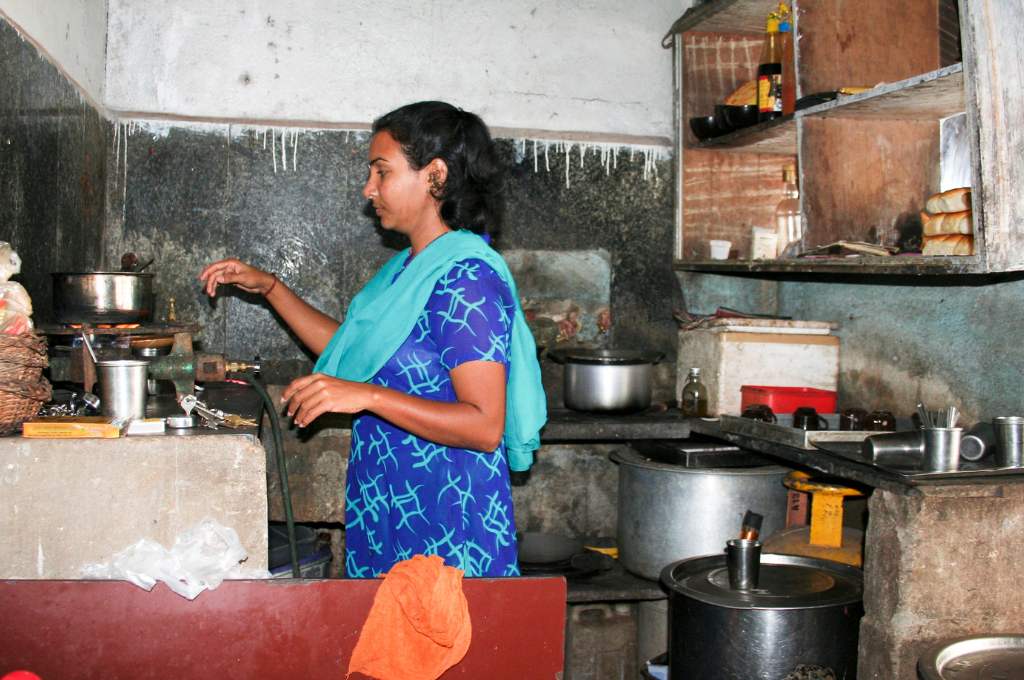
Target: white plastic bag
10 263
201 558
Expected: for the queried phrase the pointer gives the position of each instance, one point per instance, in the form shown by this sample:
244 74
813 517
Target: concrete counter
66 503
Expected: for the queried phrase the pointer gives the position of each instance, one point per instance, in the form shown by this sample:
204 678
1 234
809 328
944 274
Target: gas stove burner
581 565
154 329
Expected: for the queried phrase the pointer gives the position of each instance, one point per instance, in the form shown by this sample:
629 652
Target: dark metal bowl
741 116
704 127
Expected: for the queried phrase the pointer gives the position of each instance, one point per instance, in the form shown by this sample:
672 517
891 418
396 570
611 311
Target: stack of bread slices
948 228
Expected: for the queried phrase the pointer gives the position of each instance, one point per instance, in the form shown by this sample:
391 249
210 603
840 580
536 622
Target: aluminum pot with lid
669 511
805 612
102 297
611 380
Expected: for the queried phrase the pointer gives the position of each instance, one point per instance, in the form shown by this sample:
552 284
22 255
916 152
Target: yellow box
71 427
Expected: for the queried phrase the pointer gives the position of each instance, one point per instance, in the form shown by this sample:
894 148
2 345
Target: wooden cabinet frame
868 161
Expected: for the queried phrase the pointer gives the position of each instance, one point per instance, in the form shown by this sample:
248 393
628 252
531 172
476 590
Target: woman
434 355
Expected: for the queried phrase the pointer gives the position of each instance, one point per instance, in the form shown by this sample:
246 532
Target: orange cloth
418 626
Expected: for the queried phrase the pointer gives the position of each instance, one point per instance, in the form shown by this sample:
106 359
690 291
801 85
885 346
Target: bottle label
769 93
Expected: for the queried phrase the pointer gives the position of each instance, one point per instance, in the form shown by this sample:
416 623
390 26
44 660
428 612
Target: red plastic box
788 399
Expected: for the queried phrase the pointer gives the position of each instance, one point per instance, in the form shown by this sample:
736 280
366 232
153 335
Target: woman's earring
436 186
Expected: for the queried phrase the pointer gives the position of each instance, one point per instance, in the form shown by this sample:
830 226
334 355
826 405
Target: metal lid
606 357
980 657
725 461
144 275
122 362
785 582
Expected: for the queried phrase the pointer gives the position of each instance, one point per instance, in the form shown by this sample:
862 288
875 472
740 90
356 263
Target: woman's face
400 195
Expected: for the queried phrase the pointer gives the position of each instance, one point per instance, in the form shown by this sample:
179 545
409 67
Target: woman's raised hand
238 273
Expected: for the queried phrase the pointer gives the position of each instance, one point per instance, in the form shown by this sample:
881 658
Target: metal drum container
804 613
671 511
102 297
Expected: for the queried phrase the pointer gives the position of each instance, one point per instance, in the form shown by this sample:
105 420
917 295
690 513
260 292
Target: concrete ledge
66 503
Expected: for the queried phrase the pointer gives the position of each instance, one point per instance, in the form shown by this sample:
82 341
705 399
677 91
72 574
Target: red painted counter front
81 630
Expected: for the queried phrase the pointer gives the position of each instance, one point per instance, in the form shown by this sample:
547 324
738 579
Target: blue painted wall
944 341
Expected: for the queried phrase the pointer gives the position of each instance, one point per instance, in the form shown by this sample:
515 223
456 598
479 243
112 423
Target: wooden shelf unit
931 96
868 161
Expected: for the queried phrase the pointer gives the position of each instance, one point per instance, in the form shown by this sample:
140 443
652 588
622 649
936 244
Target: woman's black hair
472 196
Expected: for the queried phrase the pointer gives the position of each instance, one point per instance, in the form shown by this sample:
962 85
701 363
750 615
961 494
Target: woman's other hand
235 272
313 395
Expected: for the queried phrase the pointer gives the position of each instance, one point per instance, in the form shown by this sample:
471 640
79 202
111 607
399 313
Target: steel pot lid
605 357
139 274
786 582
627 456
979 657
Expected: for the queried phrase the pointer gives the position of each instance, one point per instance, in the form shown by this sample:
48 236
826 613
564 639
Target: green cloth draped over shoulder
384 313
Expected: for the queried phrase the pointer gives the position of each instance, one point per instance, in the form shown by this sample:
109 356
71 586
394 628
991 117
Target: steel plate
983 657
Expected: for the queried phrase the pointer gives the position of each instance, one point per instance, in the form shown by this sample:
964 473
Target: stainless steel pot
805 612
670 512
607 379
102 297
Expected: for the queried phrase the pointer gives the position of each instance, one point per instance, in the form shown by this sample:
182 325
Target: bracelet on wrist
272 286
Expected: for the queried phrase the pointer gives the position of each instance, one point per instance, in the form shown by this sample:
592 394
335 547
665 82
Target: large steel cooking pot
804 612
102 297
669 512
607 379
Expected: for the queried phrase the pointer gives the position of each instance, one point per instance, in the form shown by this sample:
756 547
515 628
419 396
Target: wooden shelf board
726 16
929 96
774 136
908 265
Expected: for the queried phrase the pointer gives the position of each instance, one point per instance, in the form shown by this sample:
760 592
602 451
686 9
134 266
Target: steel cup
978 442
122 388
905 445
941 448
1010 437
743 558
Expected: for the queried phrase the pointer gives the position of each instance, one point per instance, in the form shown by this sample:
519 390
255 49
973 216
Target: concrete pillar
940 564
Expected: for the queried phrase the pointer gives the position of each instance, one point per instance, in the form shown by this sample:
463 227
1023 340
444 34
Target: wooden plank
863 265
929 96
112 630
993 40
725 194
866 180
725 16
844 43
775 136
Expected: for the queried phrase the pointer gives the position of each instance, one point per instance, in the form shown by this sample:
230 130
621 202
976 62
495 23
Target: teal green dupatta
384 313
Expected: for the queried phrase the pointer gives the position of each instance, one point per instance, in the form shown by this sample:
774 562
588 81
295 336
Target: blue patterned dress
405 495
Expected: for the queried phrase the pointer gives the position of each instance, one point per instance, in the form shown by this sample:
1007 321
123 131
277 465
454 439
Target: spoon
140 268
88 346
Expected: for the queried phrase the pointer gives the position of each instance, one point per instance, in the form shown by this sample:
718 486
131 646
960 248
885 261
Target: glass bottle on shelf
769 73
694 400
788 229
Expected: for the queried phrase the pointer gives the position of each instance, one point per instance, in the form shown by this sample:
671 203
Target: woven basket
22 358
20 401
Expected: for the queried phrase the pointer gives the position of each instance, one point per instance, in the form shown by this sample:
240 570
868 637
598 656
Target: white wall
595 66
71 32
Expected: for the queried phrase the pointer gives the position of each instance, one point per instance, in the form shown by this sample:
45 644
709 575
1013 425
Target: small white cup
719 249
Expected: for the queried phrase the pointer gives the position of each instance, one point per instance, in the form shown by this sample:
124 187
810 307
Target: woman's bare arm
475 421
313 327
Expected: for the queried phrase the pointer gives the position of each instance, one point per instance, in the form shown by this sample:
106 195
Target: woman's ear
437 175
